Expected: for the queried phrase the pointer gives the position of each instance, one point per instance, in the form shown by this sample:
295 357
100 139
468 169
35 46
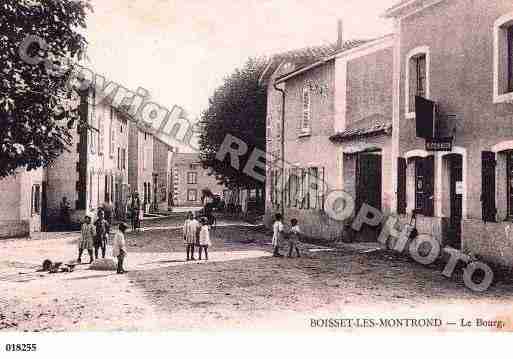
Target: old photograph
287 165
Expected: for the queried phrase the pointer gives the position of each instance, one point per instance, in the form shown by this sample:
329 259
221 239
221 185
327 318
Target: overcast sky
181 50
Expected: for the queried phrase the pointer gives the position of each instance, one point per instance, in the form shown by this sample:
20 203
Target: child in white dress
204 238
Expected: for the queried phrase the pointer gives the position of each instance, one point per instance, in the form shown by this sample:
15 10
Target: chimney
340 35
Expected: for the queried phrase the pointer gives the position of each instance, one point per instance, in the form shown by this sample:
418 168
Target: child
86 239
294 236
204 237
102 234
277 235
191 229
119 247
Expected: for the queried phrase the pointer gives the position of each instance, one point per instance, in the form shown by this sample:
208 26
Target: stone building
189 178
95 171
337 134
458 54
23 203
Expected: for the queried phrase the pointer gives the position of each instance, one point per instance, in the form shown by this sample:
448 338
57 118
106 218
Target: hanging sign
439 144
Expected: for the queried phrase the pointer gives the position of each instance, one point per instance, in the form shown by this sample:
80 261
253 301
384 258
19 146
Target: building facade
162 175
459 54
95 171
140 165
190 178
337 135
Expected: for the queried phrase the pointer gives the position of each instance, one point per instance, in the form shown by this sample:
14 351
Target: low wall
488 241
13 229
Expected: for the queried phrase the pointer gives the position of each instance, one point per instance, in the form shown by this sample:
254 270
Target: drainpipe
282 147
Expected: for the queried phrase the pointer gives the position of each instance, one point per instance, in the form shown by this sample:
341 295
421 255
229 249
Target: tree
237 108
35 101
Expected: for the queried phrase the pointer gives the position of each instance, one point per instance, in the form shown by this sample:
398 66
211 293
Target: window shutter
488 164
401 185
321 187
510 58
429 171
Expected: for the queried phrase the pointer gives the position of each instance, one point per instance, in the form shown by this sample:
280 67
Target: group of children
95 236
196 232
293 236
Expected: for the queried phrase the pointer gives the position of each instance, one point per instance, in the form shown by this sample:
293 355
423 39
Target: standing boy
102 233
277 235
119 247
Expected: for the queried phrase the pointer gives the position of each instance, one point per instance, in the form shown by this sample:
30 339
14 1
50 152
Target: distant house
140 165
23 203
189 178
162 175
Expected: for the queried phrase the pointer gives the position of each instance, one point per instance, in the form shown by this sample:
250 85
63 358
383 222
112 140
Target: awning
360 147
371 126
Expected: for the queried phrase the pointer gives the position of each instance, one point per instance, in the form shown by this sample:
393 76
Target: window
417 78
192 178
192 195
119 158
305 120
503 59
36 199
193 166
123 163
424 186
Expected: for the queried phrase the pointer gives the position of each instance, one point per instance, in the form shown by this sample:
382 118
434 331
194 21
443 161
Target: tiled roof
374 125
307 55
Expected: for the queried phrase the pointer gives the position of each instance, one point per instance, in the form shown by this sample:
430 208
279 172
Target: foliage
238 108
35 102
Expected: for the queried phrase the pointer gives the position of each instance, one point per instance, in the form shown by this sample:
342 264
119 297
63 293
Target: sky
181 50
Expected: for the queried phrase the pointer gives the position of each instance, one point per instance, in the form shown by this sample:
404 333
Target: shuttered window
418 79
401 186
305 121
488 165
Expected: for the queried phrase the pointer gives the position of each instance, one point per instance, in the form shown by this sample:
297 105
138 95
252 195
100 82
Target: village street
241 286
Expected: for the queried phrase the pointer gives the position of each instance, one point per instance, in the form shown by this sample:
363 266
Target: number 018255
20 347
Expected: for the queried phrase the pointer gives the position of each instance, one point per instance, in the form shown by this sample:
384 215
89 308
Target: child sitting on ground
294 237
204 237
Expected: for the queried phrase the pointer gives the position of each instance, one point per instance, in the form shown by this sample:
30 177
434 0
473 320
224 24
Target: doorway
368 180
